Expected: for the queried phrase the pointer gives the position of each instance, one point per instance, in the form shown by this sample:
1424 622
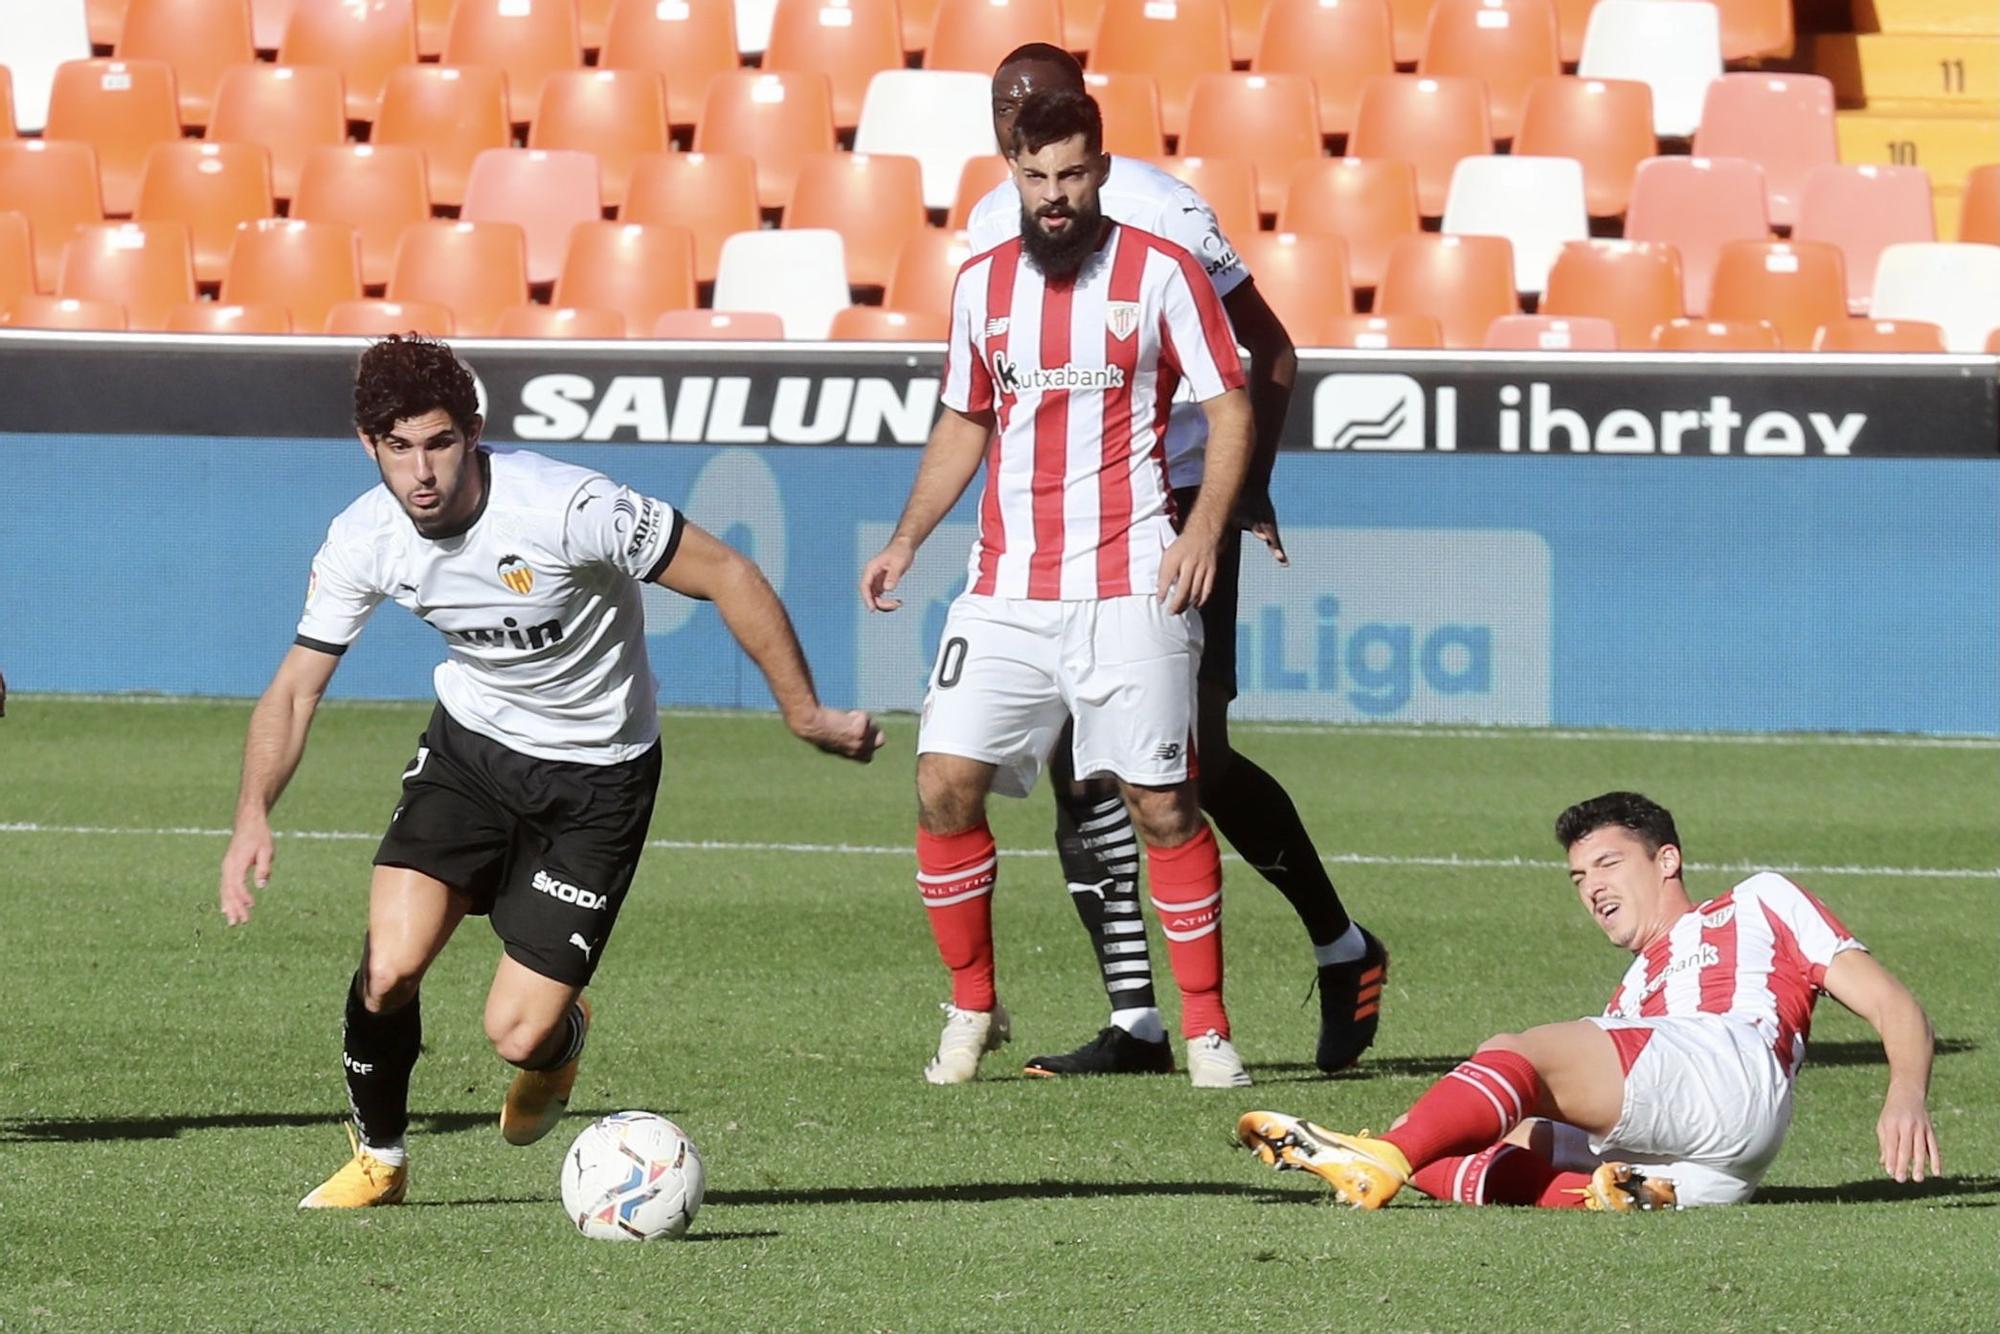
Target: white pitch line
1450 862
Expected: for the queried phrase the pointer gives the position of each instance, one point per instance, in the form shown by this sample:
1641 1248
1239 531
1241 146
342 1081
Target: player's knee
387 984
944 805
1504 1042
1167 817
516 1038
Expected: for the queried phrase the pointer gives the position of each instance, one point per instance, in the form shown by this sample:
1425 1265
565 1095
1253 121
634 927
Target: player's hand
3 696
1908 1142
250 854
1187 571
880 576
850 733
1259 517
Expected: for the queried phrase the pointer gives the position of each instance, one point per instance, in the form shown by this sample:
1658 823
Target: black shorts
1218 614
547 849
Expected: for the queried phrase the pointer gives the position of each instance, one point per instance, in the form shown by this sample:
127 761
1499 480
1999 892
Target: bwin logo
563 892
1368 412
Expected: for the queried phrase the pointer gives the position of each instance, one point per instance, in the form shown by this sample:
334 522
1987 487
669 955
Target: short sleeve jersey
1141 195
538 602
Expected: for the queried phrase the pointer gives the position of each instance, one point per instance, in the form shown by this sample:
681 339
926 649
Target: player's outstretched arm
951 458
707 568
1187 568
1903 1131
271 754
1274 369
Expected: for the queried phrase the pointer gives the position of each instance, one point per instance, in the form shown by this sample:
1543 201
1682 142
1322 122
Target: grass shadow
981 1192
91 1129
1881 1190
1304 1072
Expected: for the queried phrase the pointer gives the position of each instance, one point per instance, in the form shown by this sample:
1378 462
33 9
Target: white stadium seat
1537 203
1674 46
1955 286
35 37
799 275
753 25
942 118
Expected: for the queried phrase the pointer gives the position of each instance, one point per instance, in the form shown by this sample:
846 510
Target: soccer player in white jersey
531 789
1070 337
1680 1093
1094 837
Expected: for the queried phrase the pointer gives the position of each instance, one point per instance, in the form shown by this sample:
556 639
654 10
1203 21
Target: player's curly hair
1051 115
407 375
1652 822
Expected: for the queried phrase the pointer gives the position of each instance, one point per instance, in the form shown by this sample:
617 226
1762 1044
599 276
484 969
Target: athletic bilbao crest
1122 318
514 573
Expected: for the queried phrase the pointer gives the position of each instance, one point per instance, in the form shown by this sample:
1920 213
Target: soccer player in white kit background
1070 338
1680 1093
532 788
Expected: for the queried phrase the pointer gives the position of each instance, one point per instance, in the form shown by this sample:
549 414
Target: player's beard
1061 254
452 512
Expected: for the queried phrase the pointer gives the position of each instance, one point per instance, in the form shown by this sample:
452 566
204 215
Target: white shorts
1010 670
1705 1100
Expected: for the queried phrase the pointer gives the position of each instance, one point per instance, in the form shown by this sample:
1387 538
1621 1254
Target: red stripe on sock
1470 1108
1183 881
956 867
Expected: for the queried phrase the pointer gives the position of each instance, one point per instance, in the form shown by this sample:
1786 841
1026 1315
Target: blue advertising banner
1747 594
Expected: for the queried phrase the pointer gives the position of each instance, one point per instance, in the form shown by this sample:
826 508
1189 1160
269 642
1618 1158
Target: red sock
1471 1107
1502 1174
955 874
1187 893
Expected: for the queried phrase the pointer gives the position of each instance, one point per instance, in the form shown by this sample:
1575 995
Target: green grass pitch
168 1089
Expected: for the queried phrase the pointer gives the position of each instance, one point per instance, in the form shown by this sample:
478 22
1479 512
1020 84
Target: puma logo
576 939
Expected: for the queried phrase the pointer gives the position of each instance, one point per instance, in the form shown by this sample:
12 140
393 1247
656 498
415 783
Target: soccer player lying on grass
1682 1088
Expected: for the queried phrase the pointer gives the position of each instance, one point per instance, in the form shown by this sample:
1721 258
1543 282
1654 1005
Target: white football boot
1212 1063
968 1035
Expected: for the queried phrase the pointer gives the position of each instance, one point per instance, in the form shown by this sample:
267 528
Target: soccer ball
632 1176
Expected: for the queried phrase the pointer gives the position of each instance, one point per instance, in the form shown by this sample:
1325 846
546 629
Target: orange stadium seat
593 18
377 189
363 41
918 17
526 39
1410 25
1782 122
1369 201
1338 44
433 18
1752 29
67 312
559 321
7 130
1715 336
1303 277
1176 42
290 109
452 114
545 191
1606 124
975 182
267 22
1993 342
634 269
849 41
758 326
687 44
212 188
17 259
1572 20
1377 332
875 201
478 269
52 183
107 18
712 195
1979 216
121 108
306 267
1863 208
1634 284
1794 286
1229 184
1130 104
925 271
1864 335
617 114
975 34
146 267
874 324
1463 282
375 318
1272 120
777 120
1552 333
1246 20
1430 122
1695 204
199 38
1507 43
216 317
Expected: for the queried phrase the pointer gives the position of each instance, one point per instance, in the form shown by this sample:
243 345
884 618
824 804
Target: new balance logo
1167 751
577 940
563 892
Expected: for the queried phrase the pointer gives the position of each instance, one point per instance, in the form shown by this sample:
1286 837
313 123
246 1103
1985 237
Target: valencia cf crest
516 574
1122 318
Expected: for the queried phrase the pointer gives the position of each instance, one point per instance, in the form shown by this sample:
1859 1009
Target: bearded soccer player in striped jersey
1071 336
1680 1093
1251 809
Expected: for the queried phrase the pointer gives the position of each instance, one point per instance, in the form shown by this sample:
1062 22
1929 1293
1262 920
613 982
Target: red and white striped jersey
1759 953
1080 373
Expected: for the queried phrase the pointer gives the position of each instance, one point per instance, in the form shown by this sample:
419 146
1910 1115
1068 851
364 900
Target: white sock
1347 949
392 1155
1142 1023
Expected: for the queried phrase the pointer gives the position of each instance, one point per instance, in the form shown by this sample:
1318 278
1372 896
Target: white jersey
538 603
1079 373
1140 194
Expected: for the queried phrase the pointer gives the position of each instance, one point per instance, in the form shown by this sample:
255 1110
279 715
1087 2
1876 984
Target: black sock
1099 851
1256 815
566 1043
378 1053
